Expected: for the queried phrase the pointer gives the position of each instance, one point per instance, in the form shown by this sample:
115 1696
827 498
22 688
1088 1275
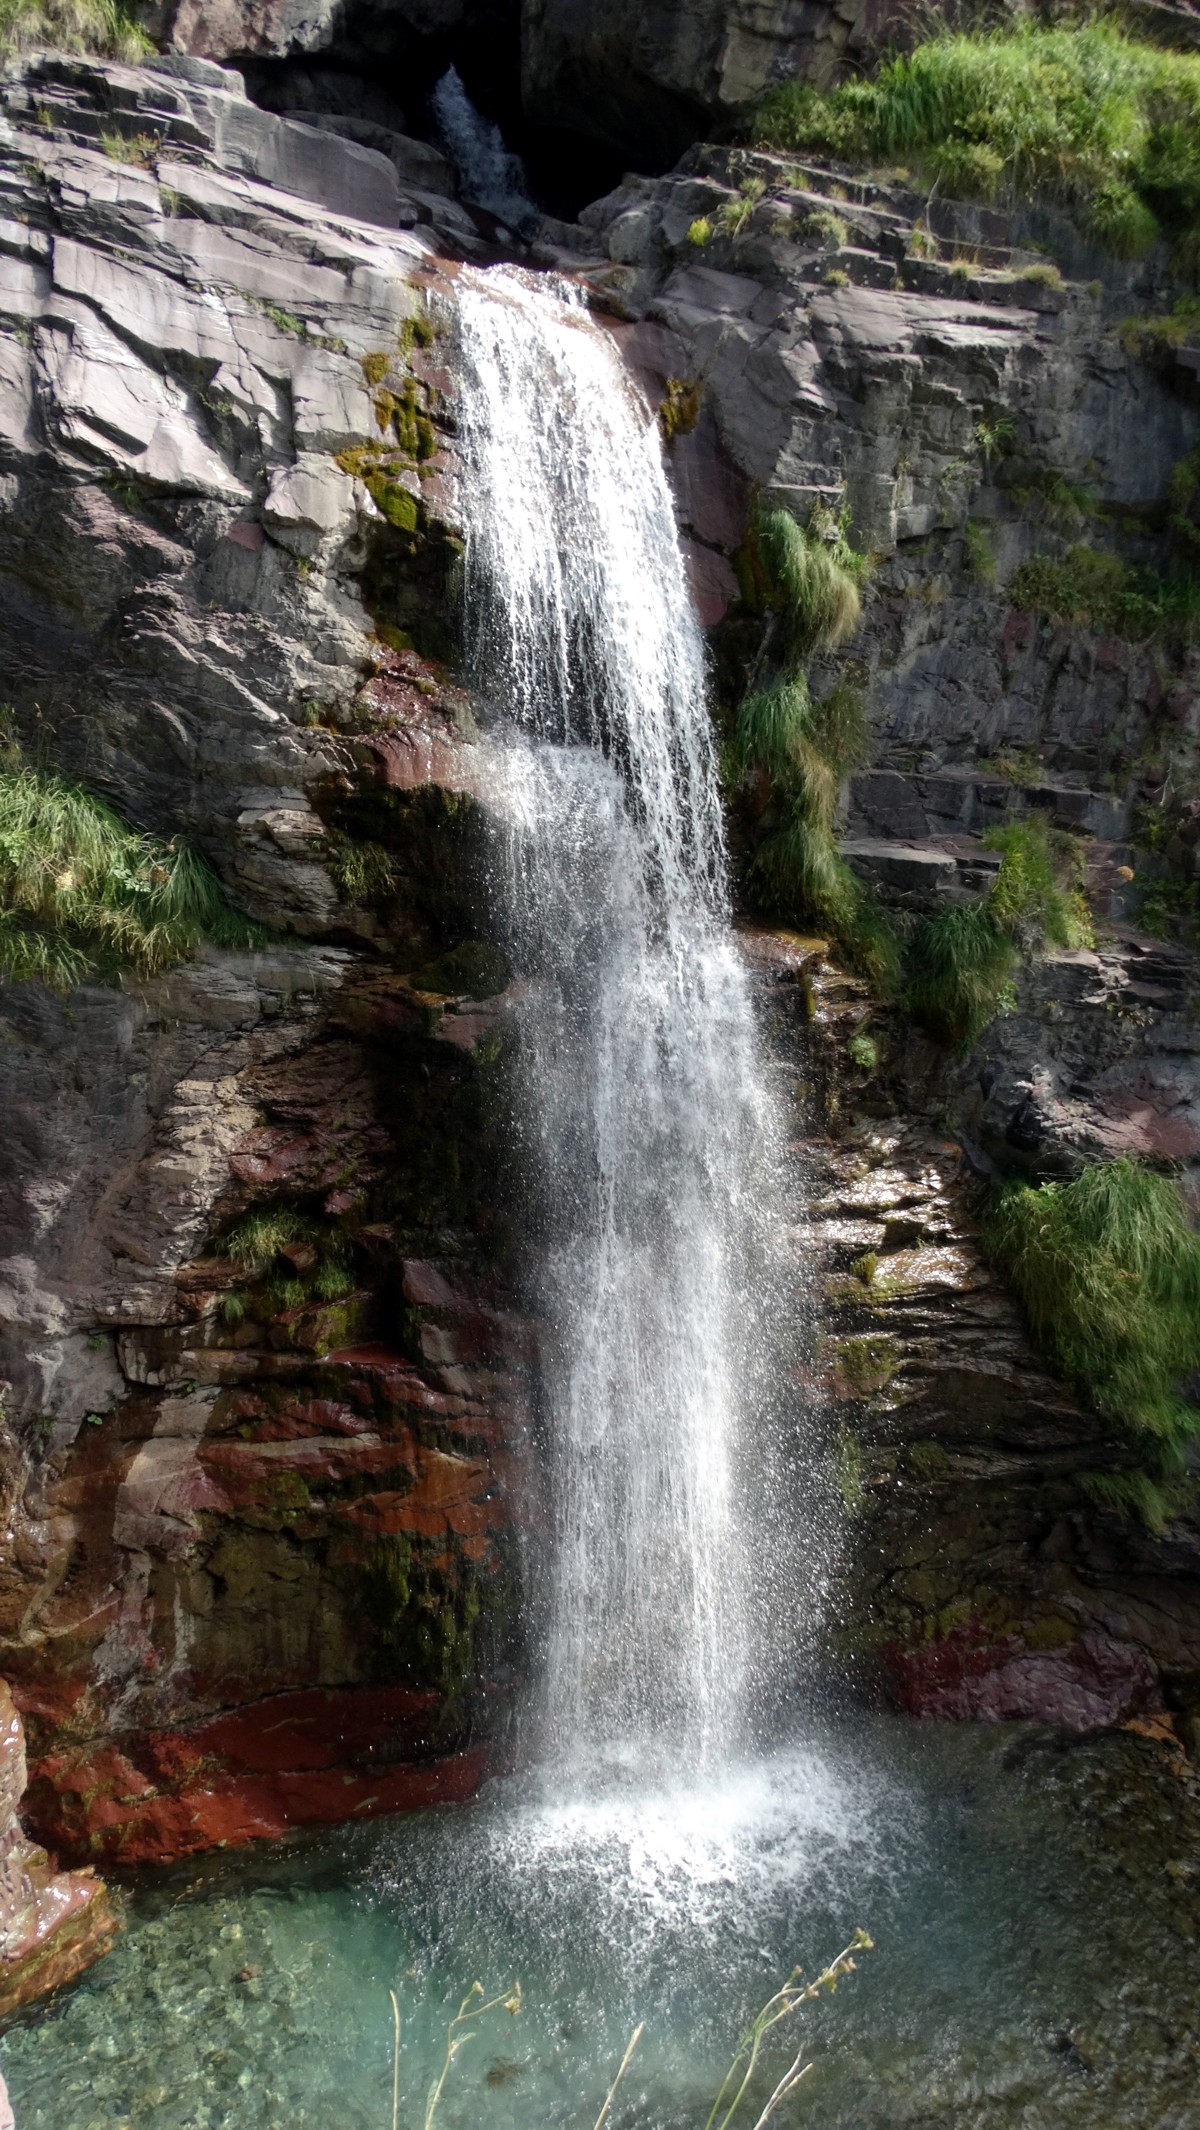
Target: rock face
53 1924
267 1453
972 410
646 76
263 1567
978 1581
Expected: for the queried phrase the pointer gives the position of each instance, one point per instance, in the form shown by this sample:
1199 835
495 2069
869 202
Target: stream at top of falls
674 1845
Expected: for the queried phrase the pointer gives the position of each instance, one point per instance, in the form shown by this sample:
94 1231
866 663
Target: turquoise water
1035 1902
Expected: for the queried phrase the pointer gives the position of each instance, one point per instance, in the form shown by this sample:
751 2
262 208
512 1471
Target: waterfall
645 1125
489 174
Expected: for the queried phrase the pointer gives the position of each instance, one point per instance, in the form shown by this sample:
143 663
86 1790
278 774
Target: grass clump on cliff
81 893
1086 115
1108 1270
808 580
961 963
1100 591
103 27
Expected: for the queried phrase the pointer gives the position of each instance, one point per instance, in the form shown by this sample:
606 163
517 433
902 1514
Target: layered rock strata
263 1566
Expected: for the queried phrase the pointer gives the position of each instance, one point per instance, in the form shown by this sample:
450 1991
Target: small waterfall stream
646 1123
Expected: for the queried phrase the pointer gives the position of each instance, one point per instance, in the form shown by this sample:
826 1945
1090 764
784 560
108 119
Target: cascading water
681 1894
646 1125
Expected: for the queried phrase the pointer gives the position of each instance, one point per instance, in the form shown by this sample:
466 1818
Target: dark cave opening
382 71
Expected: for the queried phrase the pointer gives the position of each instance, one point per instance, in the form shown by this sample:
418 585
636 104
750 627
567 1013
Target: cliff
268 1457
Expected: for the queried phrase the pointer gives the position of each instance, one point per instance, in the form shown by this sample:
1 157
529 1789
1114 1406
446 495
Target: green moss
863 1051
423 1625
929 1459
416 332
1080 113
363 871
868 1364
1108 1271
476 969
680 409
980 553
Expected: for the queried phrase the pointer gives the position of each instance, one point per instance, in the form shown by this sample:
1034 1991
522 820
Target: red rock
252 1774
53 1923
969 1677
713 584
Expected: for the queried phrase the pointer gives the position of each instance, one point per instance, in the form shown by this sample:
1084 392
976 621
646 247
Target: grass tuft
1108 1271
82 893
961 963
1081 113
102 27
809 578
1100 591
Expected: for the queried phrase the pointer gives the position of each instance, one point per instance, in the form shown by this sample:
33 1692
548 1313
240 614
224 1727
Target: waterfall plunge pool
1034 1898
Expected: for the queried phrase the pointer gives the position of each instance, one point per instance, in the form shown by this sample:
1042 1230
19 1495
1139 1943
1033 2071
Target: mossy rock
475 969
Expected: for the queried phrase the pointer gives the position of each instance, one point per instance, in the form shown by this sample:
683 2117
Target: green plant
1108 1271
139 149
257 1240
837 278
863 1051
363 871
80 892
1038 892
699 231
822 227
103 27
865 1267
1151 337
795 1992
980 552
783 2005
1100 591
734 214
1044 273
1079 112
960 966
808 580
961 963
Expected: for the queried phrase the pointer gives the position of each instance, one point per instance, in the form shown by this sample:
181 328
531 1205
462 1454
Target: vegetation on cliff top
1108 1270
81 893
104 27
1086 115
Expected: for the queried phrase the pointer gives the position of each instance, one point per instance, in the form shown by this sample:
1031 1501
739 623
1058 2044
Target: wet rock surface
978 1581
53 1924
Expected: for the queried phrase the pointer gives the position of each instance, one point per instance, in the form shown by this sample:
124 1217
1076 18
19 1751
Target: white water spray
646 1126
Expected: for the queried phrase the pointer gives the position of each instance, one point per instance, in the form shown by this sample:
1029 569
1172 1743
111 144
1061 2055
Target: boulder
53 1924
